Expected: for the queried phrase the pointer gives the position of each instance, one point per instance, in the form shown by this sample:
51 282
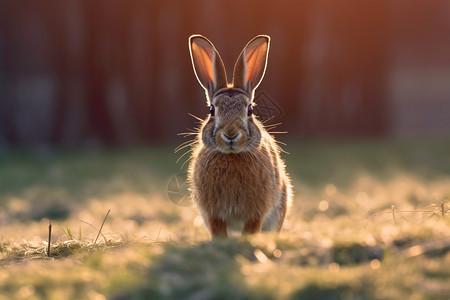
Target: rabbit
237 179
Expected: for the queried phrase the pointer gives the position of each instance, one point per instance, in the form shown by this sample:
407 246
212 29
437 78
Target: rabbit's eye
212 109
250 110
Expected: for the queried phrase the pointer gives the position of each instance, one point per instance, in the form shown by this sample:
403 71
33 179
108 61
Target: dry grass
370 221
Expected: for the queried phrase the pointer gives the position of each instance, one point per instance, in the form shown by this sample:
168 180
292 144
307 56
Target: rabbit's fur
238 180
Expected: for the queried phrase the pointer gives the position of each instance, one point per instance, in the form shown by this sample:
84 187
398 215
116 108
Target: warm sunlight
316 167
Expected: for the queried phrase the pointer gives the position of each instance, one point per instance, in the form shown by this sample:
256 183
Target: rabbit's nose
229 138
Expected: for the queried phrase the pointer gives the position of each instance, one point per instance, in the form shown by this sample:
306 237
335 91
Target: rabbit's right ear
208 65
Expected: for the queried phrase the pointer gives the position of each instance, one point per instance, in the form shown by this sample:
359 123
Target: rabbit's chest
235 173
233 185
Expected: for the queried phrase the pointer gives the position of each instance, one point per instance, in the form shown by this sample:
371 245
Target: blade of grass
101 227
49 238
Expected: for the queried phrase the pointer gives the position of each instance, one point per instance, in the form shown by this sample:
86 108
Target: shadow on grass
213 270
337 292
208 270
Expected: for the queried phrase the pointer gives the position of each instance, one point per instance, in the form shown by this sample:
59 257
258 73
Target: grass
370 221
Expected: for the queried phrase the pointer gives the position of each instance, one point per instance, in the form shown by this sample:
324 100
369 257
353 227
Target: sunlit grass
370 221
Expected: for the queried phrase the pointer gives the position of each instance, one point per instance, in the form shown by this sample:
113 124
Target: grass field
370 220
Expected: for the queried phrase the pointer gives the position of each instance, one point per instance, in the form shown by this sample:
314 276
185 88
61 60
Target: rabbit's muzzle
231 138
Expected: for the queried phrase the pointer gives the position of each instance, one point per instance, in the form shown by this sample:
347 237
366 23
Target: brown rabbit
237 178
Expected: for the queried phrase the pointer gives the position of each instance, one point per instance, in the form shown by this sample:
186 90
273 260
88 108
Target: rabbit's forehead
231 102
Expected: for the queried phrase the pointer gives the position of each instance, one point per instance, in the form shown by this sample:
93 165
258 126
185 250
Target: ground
370 220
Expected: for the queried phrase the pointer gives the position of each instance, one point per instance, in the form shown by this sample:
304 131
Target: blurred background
94 92
118 73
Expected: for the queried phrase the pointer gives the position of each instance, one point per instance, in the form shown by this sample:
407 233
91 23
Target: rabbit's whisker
282 150
184 154
185 144
270 126
187 160
265 121
281 143
186 134
182 146
188 141
195 117
189 132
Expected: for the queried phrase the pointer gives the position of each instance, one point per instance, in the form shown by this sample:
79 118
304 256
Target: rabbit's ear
251 64
208 65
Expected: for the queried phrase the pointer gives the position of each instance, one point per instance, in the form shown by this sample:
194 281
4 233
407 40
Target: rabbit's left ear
251 64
